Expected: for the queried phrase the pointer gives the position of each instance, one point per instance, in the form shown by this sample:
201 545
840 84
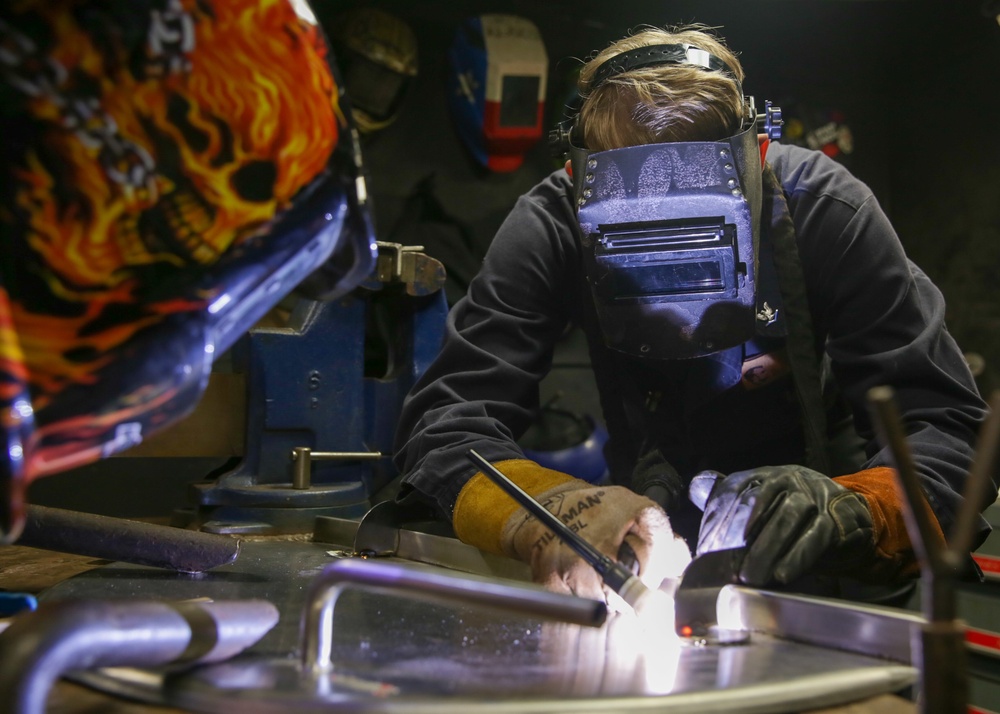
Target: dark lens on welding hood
519 101
668 279
373 88
674 260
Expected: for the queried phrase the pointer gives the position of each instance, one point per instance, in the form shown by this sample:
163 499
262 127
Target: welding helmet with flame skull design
171 170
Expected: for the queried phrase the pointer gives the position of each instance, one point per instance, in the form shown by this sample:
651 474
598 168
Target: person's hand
606 517
792 519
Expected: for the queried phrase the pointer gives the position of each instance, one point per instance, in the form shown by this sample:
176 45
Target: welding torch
614 574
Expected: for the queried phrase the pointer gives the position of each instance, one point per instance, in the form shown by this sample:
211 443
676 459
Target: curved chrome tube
317 617
38 647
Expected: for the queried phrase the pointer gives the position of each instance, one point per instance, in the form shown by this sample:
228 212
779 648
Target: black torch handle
612 573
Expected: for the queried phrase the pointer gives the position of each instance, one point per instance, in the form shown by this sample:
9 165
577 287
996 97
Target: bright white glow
658 642
304 12
617 604
220 303
126 435
23 409
16 452
633 651
728 610
210 348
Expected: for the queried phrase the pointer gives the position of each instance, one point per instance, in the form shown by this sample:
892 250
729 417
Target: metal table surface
394 653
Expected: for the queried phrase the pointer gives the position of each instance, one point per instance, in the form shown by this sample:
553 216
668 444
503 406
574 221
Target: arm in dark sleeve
884 323
481 391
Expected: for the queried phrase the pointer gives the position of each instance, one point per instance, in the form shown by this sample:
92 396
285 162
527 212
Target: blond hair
669 102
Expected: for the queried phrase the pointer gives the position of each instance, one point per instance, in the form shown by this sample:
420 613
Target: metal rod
302 471
317 617
890 429
615 575
941 647
585 550
13 501
127 541
980 482
303 457
38 647
343 455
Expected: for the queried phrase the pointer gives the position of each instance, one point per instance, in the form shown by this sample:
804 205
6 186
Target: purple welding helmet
172 169
670 231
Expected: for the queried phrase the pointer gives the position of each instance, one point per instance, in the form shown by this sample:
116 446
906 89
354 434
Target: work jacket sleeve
481 392
881 321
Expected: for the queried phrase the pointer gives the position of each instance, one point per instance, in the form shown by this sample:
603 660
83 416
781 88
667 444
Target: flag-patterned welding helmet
497 75
171 170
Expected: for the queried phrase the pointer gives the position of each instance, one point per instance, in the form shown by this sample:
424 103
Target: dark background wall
917 82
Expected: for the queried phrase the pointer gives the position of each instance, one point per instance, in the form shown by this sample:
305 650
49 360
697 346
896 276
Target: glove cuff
893 549
482 509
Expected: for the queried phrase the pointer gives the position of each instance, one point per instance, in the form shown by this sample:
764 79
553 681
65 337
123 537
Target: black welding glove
792 519
655 478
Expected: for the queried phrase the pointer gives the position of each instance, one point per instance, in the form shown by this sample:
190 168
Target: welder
739 298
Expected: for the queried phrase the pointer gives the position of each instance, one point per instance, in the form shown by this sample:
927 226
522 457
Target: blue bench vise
323 398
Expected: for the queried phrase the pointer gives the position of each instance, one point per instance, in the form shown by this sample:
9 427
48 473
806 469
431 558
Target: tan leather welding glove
606 517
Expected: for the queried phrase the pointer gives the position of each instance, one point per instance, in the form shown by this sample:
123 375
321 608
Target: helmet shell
378 53
498 70
171 171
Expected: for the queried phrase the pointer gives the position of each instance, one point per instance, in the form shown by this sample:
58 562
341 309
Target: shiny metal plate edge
816 691
881 632
426 548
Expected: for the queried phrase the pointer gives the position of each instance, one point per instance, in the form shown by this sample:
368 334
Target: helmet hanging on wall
496 88
377 52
